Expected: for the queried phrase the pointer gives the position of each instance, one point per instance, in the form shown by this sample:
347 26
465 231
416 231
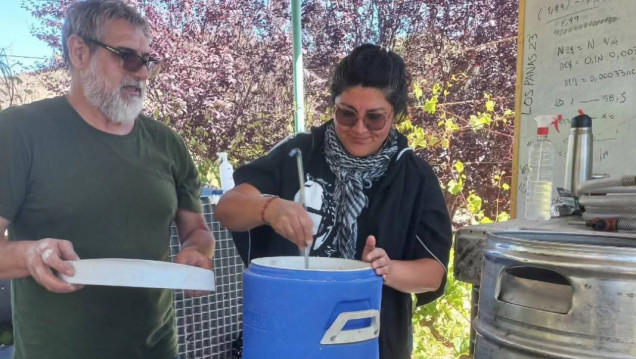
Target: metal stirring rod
301 181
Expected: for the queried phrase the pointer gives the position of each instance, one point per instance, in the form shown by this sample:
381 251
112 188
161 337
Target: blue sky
15 34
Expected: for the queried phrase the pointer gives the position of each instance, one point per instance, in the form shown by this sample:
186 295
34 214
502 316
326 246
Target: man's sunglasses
130 60
374 121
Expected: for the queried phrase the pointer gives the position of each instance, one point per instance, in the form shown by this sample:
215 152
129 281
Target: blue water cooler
329 311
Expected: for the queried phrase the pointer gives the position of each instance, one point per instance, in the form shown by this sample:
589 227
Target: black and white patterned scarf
353 175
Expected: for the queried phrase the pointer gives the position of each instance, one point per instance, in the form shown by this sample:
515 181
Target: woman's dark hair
371 66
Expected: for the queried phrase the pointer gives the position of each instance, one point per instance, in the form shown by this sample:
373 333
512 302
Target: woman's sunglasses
130 60
374 121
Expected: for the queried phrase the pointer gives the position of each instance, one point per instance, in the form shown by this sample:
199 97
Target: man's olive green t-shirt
112 197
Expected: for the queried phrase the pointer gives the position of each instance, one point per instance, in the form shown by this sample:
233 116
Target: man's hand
48 255
290 220
197 243
192 257
378 258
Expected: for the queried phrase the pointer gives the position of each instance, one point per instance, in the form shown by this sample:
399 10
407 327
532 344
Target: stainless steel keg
557 295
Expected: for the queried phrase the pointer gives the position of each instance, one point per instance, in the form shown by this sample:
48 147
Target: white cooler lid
140 273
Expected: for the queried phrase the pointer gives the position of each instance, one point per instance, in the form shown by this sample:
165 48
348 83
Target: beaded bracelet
269 200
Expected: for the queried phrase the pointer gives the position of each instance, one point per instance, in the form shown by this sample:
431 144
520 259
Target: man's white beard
117 108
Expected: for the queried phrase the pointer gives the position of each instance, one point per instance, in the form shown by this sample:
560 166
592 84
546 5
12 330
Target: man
87 176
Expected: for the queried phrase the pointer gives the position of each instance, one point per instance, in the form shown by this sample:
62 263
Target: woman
368 196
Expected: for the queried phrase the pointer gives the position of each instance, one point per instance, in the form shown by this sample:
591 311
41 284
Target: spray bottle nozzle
544 122
556 121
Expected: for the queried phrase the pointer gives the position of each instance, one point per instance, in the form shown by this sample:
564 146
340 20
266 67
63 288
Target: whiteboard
577 54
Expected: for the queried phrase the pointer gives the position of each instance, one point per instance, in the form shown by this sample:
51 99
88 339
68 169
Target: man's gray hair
86 19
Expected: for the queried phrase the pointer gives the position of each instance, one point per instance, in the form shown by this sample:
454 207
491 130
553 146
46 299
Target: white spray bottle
226 172
540 170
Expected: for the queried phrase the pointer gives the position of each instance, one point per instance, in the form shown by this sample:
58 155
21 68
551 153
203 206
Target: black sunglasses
374 121
130 60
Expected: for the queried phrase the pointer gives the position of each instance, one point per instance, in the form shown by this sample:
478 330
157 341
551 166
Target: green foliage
417 92
455 187
474 203
450 125
209 172
490 106
430 106
442 328
6 335
459 166
458 178
418 137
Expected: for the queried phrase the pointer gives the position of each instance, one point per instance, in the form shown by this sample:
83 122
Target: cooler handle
335 334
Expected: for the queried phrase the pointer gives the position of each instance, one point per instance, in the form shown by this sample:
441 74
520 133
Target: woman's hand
378 258
244 207
290 220
408 276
